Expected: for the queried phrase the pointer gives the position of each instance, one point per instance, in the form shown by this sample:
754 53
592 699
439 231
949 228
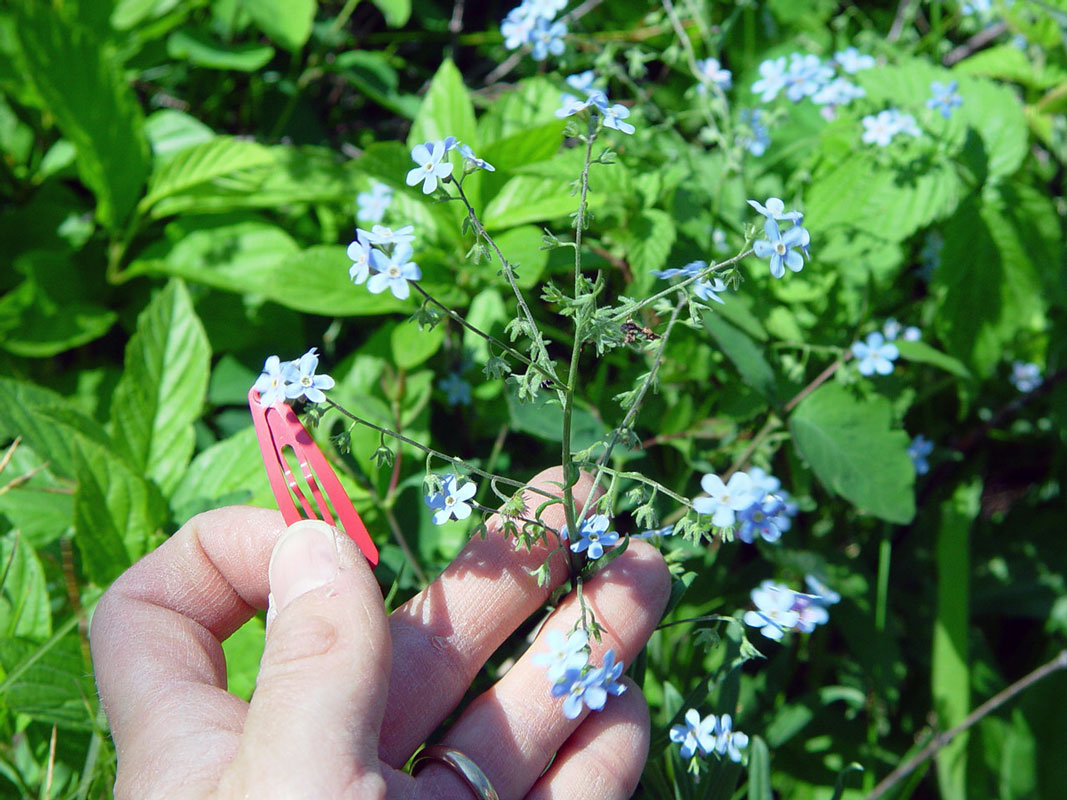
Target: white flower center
428 166
450 501
305 380
779 248
393 271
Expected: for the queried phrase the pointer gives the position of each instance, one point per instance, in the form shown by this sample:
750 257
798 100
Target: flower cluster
451 502
881 128
372 205
593 536
806 75
709 735
1025 377
711 72
289 380
787 249
595 101
875 354
574 678
387 253
706 289
753 499
780 609
534 23
433 165
919 449
892 330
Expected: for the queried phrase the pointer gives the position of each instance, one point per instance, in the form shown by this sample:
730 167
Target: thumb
313 724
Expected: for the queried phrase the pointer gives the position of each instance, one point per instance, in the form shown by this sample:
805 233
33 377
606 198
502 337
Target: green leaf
243 651
412 346
170 130
46 314
650 236
759 770
526 147
371 72
47 422
41 509
446 110
25 609
922 353
49 683
544 419
232 468
949 668
162 388
987 287
530 105
525 199
522 247
396 12
854 452
117 513
745 355
201 164
325 288
82 87
200 48
287 22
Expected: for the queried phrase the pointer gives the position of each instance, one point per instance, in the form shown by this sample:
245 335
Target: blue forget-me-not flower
1025 377
697 734
875 354
946 97
724 500
305 383
393 271
451 501
274 379
919 449
432 166
372 205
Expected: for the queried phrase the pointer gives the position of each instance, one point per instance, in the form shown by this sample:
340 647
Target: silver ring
461 764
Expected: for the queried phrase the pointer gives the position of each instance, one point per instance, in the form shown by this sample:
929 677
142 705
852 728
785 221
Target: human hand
345 694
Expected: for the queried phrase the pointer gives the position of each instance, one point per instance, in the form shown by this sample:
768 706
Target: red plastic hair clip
277 427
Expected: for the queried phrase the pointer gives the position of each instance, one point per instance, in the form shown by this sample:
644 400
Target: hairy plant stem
459 462
622 316
537 343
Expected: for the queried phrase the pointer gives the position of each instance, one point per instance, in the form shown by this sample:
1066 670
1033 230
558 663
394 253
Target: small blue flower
273 381
772 79
393 271
371 206
696 734
760 519
729 742
713 72
919 449
881 128
457 390
517 27
979 7
582 81
381 235
838 92
563 655
805 76
359 251
760 140
432 166
572 105
811 612
306 383
545 8
667 530
775 209
875 355
774 615
451 501
591 689
783 250
946 97
892 330
724 500
1025 377
594 536
763 481
710 289
852 60
477 163
614 116
718 241
824 593
547 38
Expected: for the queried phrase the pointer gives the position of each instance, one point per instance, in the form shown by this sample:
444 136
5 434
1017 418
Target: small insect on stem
632 331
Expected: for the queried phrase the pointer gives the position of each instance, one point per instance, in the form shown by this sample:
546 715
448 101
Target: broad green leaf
486 312
24 605
49 683
525 147
84 91
243 650
855 453
1010 64
117 513
522 247
529 106
371 72
47 314
324 287
544 419
987 285
232 468
129 14
649 237
42 508
202 163
526 199
200 48
287 22
396 12
446 110
162 388
170 130
759 770
744 354
950 661
412 346
923 353
47 422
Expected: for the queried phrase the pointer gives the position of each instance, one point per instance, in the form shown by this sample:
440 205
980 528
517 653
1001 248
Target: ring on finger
461 764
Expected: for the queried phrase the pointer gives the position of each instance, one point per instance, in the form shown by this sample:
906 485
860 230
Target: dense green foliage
179 184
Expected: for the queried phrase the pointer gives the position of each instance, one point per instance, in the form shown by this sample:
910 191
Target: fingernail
304 558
